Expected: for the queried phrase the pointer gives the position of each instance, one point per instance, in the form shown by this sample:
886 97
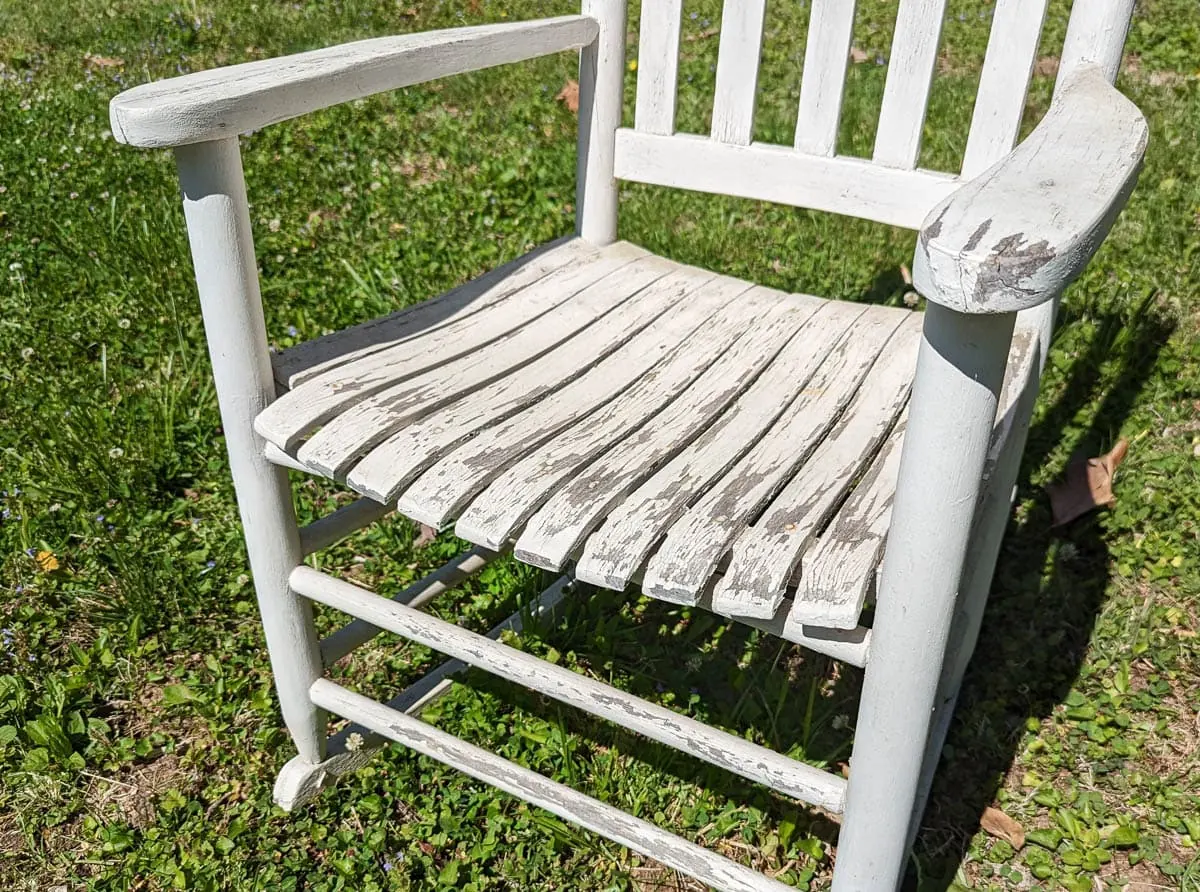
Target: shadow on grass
1041 613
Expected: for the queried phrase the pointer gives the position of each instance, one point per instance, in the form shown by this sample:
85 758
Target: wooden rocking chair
643 421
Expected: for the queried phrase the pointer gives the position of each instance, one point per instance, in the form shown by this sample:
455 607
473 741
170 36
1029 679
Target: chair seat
713 439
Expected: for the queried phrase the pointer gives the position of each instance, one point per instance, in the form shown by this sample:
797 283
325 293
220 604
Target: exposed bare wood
720 748
1017 235
702 537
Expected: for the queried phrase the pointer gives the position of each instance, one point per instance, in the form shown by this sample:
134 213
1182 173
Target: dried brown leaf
1001 826
702 35
425 536
1046 66
858 56
94 61
569 96
905 274
1087 485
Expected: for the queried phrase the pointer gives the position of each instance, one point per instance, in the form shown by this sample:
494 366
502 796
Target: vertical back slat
737 70
1096 36
824 78
658 66
1012 47
910 74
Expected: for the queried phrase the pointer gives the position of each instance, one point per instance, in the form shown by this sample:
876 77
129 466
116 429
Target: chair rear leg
218 220
953 407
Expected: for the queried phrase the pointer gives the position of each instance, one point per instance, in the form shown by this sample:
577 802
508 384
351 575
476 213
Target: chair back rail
888 187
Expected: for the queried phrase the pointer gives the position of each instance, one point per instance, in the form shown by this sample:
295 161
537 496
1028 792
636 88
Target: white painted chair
643 421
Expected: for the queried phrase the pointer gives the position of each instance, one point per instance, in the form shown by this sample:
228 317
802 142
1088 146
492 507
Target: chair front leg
218 221
952 410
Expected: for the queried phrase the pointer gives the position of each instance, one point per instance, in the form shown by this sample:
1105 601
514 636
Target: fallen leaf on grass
425 536
1046 66
858 56
94 61
1001 826
569 96
1087 485
702 35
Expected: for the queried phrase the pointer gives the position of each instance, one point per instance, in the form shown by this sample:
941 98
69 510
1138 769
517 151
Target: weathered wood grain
701 538
1017 235
822 86
442 491
765 555
737 70
614 553
224 102
909 77
554 533
311 358
838 571
720 748
641 836
297 413
842 185
392 465
596 321
498 511
657 66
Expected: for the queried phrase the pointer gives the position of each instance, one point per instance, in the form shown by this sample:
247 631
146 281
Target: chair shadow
1039 620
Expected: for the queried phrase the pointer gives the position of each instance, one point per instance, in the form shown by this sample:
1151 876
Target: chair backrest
887 187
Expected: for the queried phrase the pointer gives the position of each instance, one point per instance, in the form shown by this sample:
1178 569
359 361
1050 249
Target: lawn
139 732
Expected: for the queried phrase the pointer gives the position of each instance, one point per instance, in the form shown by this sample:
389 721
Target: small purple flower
292 331
30 552
211 564
5 514
388 866
99 518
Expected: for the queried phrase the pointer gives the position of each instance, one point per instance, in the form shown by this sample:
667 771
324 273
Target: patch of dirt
130 798
1142 877
421 170
650 876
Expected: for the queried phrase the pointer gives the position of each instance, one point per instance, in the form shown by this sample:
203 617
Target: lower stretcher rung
712 745
636 834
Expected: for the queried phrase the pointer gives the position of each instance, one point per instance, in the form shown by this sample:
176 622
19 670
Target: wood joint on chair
357 633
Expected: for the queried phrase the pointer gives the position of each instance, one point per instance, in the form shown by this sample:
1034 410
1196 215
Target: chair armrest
1021 231
224 102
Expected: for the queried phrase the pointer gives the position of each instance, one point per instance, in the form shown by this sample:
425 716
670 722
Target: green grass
139 734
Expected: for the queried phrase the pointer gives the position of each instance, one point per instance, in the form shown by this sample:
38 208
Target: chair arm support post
218 222
601 91
960 370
